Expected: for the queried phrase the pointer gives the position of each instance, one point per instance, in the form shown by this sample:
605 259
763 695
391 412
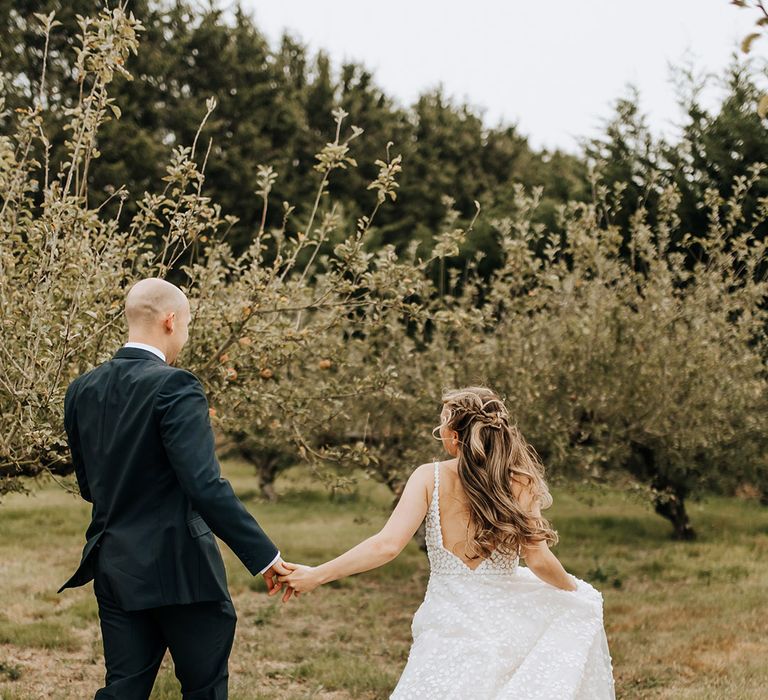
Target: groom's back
150 541
112 410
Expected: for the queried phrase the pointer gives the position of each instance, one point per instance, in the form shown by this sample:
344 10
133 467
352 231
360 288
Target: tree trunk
266 471
671 506
669 499
266 463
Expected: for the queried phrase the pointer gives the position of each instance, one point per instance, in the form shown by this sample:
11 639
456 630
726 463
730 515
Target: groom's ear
169 322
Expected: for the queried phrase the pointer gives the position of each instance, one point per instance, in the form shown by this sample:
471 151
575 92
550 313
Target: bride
488 628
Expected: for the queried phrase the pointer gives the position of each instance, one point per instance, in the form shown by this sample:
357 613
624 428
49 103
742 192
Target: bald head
150 300
157 313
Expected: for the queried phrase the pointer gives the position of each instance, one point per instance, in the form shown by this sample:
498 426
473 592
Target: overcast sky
553 67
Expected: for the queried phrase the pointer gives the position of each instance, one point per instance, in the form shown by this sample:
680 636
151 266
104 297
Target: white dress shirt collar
150 348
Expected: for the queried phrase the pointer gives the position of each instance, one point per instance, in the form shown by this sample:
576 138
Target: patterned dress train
499 632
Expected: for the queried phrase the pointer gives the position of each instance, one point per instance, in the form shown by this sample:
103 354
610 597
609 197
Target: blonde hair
492 454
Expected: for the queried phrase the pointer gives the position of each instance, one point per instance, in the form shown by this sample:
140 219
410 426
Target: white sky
553 67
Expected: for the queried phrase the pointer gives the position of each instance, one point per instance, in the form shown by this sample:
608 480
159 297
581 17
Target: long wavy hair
492 454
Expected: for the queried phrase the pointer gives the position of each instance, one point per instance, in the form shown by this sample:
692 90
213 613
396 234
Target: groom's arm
74 443
188 439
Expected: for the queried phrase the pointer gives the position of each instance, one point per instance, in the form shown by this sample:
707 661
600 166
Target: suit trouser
198 635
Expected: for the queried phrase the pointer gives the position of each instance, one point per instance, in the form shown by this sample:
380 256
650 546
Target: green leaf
762 107
746 45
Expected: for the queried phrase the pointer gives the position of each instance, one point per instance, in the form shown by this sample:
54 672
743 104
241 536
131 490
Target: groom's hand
270 576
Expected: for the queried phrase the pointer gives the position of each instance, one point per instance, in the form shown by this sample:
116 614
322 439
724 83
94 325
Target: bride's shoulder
423 475
424 472
427 470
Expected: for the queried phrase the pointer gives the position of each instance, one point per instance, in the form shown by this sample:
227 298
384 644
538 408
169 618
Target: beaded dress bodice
443 562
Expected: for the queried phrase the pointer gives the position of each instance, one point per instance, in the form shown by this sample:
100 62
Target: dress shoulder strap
435 507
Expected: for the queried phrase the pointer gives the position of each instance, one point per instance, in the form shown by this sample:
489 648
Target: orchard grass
684 620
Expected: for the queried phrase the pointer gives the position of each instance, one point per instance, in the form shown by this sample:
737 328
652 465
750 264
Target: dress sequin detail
499 632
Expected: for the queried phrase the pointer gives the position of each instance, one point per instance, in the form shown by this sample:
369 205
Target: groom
143 452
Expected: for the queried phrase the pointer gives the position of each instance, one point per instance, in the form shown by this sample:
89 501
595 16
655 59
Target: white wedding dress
498 632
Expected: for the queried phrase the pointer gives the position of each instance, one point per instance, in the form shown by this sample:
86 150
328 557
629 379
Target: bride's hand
302 579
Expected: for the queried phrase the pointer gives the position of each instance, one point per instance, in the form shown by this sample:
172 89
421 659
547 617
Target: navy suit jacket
143 450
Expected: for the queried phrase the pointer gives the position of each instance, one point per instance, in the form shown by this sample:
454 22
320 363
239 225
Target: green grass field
684 620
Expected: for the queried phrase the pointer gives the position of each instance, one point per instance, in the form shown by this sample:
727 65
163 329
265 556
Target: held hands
295 578
300 579
272 579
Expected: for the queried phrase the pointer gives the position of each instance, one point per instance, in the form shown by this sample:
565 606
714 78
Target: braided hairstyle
491 455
